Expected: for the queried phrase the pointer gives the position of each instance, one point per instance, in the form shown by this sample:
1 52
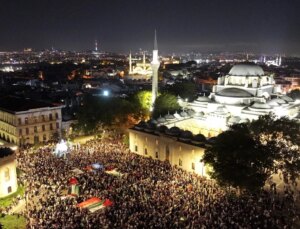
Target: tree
246 155
295 94
186 90
164 104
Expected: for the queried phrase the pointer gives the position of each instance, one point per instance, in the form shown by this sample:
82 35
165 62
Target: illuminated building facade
25 121
8 174
178 147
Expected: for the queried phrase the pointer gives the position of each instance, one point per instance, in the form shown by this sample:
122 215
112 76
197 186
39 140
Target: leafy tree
99 111
164 104
186 90
295 94
246 155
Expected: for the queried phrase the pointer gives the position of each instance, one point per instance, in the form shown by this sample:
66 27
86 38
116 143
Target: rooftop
4 152
15 104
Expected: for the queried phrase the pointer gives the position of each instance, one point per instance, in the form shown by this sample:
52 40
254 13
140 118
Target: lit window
6 174
193 166
180 162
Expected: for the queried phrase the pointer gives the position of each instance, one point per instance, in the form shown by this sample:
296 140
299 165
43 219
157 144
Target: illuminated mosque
141 70
243 95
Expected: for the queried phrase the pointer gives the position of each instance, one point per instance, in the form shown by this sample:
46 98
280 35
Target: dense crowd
149 194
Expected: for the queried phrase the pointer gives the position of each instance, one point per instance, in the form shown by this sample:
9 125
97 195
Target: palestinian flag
95 204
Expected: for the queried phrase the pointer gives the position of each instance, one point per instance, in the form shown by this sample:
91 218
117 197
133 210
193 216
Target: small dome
279 101
153 121
186 135
169 117
287 98
183 114
234 92
246 69
199 114
273 103
259 105
141 125
203 99
161 129
191 112
161 120
244 120
174 131
199 138
234 119
150 127
221 110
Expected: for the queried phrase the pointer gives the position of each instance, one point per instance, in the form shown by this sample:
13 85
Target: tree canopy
295 94
164 104
186 90
246 155
98 111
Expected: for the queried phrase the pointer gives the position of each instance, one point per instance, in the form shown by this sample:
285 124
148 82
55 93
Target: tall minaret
130 63
96 46
155 65
279 62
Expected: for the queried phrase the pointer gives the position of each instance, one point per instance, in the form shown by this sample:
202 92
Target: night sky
261 26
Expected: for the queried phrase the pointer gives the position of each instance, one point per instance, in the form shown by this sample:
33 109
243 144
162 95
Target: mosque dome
169 117
161 120
258 105
234 92
203 99
174 131
183 114
186 135
141 125
199 138
246 69
234 119
273 103
161 129
191 112
287 98
280 101
200 114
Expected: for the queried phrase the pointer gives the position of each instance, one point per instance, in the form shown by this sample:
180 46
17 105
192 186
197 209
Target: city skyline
118 26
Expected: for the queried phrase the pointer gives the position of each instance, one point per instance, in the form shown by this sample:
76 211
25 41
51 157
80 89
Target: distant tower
96 46
264 59
155 65
130 63
279 62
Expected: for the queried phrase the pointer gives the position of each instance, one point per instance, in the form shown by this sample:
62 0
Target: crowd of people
148 193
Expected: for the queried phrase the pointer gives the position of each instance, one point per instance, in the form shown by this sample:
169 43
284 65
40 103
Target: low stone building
8 174
26 121
180 148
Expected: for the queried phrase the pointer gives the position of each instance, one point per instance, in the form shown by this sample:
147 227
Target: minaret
155 65
130 63
279 61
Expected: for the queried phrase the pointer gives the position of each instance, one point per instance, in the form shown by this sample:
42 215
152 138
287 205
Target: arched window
6 174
